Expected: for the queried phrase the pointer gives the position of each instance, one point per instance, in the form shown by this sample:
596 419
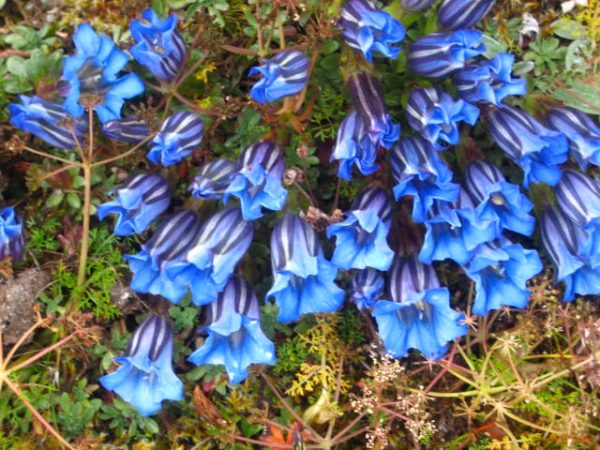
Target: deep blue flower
257 181
366 288
212 179
535 148
47 121
419 171
494 197
168 246
304 279
145 377
460 14
435 115
438 55
367 96
128 129
418 314
453 231
500 270
563 240
489 81
284 74
235 338
139 202
159 46
417 5
361 239
354 147
369 30
581 131
93 71
12 241
578 197
209 264
179 135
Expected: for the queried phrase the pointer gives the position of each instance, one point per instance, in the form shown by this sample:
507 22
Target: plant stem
87 197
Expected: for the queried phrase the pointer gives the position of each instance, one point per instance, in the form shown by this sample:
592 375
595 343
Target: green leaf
492 46
568 29
329 46
55 199
73 200
17 66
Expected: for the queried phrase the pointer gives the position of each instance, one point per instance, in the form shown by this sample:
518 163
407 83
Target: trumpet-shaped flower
213 179
361 239
209 264
47 121
500 270
366 288
535 148
435 115
563 240
159 46
438 55
283 75
179 135
496 198
367 96
489 81
145 377
454 230
168 245
304 279
93 72
369 30
461 14
418 170
257 181
128 129
12 241
139 202
581 131
418 314
235 338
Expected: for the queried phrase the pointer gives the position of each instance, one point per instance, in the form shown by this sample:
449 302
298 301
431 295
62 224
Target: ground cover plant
299 224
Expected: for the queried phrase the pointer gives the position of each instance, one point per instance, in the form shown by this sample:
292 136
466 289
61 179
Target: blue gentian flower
489 81
435 115
500 270
179 135
454 230
535 148
578 197
366 288
369 30
367 96
304 279
418 314
12 241
139 202
93 71
284 74
257 181
418 170
417 5
438 55
495 197
354 147
212 179
47 121
159 46
235 338
563 240
460 14
209 264
361 239
168 246
581 131
145 377
128 129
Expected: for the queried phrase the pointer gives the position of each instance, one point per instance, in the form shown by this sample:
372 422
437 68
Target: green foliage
124 421
76 410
